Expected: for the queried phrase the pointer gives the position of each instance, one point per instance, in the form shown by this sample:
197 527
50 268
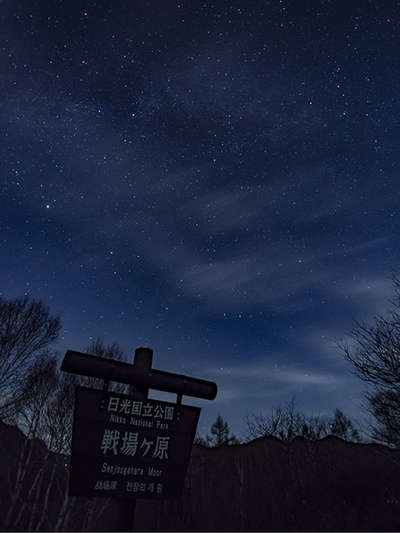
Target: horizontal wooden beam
109 369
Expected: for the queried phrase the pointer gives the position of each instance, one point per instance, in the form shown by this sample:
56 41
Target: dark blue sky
217 181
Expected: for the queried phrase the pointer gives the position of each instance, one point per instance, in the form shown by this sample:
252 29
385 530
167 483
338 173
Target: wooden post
126 507
141 377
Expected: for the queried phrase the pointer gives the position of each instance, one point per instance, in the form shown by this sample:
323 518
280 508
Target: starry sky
215 180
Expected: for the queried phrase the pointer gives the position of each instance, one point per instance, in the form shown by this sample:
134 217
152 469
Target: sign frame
85 463
141 377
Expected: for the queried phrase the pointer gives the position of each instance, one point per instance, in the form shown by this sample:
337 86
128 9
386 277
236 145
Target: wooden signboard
129 447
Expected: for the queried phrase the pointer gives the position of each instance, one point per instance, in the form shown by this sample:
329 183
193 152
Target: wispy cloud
369 295
260 378
142 212
279 275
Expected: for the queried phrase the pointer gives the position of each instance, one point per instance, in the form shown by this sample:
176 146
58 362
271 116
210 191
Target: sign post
129 446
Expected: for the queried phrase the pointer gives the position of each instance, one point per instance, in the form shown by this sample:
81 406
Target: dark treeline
284 423
38 399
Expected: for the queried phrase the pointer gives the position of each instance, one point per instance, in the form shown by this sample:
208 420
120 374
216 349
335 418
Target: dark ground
265 485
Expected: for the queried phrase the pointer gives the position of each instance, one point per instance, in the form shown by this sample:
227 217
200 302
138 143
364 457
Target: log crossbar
131 374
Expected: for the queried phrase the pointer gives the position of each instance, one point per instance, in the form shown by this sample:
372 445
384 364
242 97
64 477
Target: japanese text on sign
131 486
134 407
129 444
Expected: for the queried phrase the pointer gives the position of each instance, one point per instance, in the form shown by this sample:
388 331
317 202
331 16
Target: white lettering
143 423
122 470
161 425
153 472
117 419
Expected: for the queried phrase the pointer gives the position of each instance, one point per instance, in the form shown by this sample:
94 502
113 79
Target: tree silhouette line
39 399
284 423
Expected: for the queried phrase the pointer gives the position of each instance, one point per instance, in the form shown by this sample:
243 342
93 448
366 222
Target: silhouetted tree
94 505
38 388
47 413
199 440
375 355
219 435
287 423
341 426
385 406
110 351
26 330
58 435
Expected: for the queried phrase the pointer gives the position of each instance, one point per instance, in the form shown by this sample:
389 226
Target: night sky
217 181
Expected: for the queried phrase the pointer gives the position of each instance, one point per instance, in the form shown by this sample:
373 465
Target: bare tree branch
26 330
375 356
